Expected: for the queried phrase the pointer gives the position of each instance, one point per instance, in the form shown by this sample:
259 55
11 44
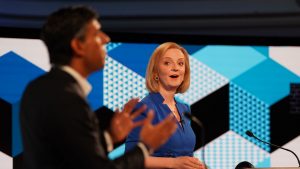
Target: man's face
94 46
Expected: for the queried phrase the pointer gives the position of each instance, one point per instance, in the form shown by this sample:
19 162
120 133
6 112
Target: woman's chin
172 88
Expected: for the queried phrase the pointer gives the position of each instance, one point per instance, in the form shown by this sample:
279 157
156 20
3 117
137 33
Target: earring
156 78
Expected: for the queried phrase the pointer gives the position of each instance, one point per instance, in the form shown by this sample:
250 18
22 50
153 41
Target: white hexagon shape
287 56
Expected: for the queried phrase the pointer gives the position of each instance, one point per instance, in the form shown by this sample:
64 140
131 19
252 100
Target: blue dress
181 143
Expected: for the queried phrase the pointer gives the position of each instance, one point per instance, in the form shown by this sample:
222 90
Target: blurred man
59 129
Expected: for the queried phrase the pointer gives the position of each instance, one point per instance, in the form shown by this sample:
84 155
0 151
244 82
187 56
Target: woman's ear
77 47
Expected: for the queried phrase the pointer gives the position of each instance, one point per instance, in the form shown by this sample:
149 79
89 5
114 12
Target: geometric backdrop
233 89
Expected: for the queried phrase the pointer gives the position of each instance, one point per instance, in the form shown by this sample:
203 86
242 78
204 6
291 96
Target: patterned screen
233 89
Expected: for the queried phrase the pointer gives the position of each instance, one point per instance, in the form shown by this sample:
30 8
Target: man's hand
156 135
122 122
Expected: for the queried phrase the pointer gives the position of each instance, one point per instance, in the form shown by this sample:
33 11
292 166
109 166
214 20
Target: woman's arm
159 162
173 163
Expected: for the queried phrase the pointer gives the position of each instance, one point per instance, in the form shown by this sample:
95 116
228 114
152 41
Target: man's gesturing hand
122 122
156 135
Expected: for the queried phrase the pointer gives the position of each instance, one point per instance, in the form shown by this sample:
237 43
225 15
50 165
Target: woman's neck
168 96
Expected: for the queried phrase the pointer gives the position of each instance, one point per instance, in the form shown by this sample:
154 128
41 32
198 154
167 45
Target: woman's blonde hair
152 69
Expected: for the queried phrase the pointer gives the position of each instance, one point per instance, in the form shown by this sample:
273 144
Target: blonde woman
168 73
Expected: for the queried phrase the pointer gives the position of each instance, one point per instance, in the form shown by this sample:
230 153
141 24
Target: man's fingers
166 128
138 112
130 105
170 125
117 110
150 116
173 128
167 122
138 123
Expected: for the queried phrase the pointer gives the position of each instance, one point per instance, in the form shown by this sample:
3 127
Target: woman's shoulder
147 100
183 105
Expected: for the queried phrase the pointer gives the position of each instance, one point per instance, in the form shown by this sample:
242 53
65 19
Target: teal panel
268 81
264 50
119 151
246 112
264 164
229 61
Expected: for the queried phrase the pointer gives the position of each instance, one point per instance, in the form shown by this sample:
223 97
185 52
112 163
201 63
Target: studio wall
233 89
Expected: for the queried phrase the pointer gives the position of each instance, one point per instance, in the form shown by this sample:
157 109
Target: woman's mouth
174 76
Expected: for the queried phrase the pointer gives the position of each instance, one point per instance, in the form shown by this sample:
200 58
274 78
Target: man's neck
77 64
83 83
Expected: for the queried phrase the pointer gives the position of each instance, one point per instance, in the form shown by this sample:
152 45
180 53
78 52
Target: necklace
174 112
176 116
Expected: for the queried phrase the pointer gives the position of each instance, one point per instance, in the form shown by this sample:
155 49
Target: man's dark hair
244 164
61 27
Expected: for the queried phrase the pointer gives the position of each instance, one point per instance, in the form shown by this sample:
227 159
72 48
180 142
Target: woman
168 73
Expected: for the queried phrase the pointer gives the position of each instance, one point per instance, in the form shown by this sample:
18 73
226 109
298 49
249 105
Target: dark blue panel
134 56
15 73
191 49
17 147
95 98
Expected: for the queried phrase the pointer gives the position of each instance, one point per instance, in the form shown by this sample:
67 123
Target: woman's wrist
171 163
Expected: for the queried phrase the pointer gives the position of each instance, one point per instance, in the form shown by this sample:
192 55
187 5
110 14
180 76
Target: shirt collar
83 83
158 97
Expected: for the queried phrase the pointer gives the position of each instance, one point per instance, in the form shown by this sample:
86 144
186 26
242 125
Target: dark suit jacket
59 130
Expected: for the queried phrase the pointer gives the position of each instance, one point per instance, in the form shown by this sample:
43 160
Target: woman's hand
187 162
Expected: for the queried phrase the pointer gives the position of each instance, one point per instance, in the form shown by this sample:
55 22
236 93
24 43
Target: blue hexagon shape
95 97
134 56
15 73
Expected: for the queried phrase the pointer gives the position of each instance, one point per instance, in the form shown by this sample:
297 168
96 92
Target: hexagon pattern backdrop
233 89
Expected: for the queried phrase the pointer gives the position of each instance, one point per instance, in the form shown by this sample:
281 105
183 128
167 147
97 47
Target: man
59 129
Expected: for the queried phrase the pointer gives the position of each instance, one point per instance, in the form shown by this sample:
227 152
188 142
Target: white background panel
33 50
288 57
282 158
6 162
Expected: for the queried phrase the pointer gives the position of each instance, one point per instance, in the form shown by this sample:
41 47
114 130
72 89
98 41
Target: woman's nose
174 69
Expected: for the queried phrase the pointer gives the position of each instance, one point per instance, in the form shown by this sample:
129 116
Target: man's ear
77 47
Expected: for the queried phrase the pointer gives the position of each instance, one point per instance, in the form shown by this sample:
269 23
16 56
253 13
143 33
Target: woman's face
171 69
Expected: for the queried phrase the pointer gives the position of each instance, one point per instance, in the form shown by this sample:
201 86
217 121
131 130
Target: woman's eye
181 63
166 63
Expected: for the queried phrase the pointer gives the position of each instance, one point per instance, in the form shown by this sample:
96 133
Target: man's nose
104 37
